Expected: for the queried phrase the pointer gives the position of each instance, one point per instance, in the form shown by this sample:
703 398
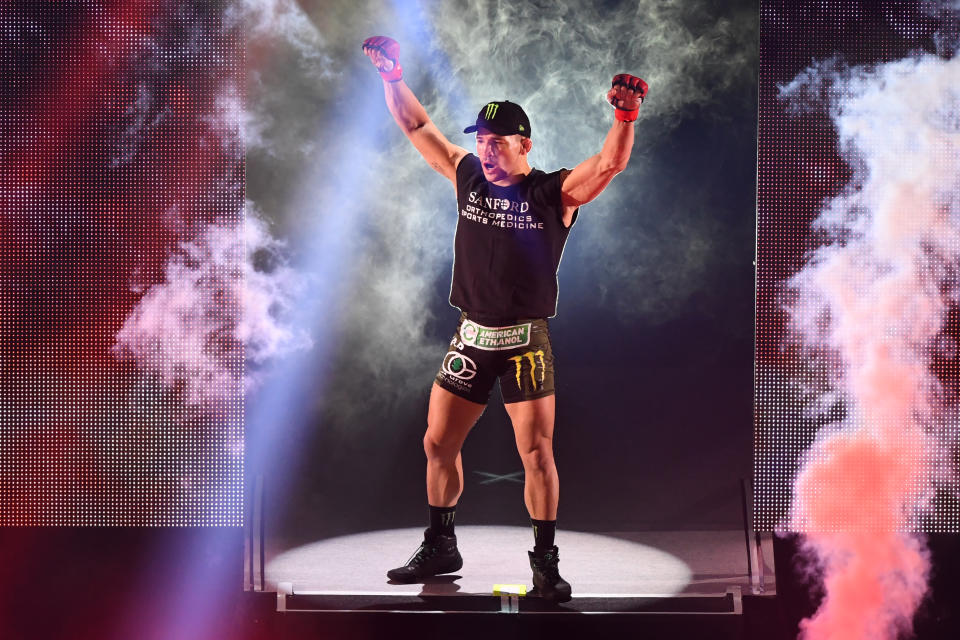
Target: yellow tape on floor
509 589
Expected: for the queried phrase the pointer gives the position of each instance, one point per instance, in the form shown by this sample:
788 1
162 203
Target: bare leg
533 428
449 420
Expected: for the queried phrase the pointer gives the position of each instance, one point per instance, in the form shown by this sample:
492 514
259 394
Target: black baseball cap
503 118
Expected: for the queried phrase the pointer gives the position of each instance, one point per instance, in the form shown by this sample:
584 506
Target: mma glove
384 52
626 94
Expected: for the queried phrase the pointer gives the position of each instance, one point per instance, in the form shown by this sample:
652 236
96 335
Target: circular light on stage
593 563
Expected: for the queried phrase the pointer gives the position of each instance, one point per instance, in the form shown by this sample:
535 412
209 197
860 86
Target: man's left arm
590 177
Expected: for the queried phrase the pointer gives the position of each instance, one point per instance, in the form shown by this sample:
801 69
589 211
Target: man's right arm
409 114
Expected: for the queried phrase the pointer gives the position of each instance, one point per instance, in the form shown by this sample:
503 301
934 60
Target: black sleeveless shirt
508 244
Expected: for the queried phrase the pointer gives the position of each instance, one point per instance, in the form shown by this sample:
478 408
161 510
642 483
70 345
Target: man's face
502 156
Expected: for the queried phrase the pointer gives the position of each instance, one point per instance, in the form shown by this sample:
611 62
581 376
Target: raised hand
384 53
626 94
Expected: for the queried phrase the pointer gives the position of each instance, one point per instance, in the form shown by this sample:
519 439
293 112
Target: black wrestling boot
438 554
546 576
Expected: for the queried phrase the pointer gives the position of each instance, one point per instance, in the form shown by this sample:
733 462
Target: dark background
654 332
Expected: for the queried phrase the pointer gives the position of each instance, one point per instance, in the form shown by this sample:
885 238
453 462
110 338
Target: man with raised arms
512 224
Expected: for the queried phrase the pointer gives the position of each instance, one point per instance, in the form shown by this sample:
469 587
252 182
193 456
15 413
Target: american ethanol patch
494 338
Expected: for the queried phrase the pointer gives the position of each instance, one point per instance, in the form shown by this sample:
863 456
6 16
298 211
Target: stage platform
642 584
115 584
667 571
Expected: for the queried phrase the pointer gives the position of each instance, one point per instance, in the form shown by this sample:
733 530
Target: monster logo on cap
502 118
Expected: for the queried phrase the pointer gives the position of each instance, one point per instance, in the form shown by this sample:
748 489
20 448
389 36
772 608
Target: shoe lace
423 553
548 564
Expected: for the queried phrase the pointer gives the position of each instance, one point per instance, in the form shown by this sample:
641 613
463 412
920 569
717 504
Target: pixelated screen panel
121 182
857 254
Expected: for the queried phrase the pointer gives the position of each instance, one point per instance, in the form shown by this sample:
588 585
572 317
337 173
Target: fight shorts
518 354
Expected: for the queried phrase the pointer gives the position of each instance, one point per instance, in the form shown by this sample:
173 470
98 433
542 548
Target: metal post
249 525
746 528
262 501
758 578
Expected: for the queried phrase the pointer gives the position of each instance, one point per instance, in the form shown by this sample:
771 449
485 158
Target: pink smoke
215 307
874 299
874 576
223 311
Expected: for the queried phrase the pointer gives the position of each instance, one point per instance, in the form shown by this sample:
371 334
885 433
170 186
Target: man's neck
515 178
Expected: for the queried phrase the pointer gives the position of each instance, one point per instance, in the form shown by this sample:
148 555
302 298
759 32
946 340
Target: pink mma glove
384 52
626 94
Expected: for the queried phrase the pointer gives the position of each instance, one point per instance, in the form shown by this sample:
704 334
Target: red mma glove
626 94
384 53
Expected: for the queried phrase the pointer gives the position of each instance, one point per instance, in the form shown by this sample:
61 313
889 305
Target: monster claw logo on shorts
531 357
459 366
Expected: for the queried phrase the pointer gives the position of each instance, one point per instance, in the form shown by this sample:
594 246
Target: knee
539 458
437 450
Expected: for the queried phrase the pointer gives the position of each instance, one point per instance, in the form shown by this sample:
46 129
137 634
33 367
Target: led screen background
121 196
654 327
816 61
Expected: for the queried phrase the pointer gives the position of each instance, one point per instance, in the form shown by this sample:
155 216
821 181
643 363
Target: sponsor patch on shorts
494 338
459 366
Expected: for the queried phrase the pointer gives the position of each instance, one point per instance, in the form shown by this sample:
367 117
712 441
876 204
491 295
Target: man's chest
485 211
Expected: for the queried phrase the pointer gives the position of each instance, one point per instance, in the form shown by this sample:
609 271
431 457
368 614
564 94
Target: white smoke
270 291
872 302
651 240
224 309
267 22
557 60
225 294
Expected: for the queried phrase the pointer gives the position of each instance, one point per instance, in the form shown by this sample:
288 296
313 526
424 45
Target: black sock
543 533
441 519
